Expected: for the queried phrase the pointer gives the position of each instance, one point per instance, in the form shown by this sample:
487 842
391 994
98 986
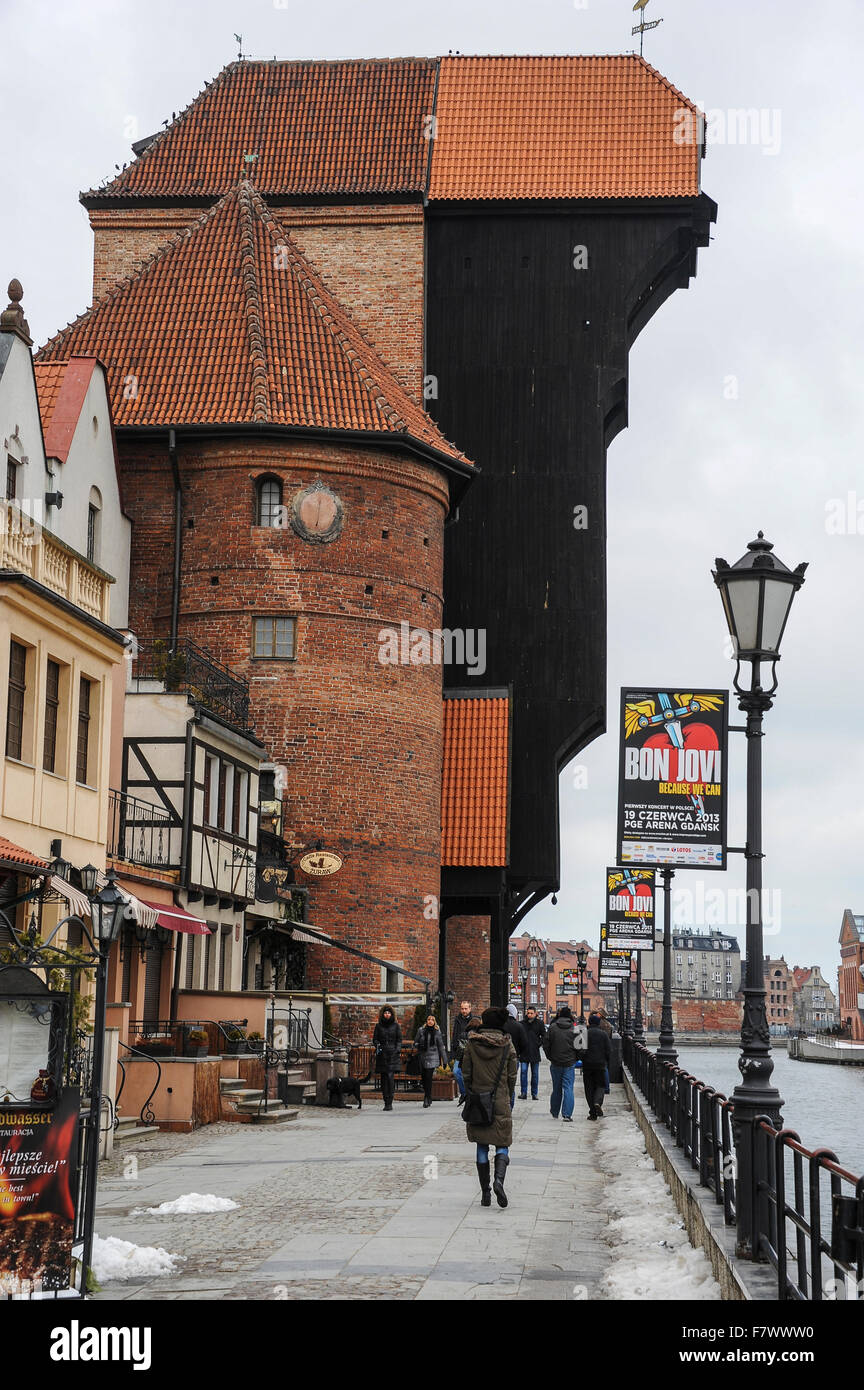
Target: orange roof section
62 387
314 127
475 785
12 854
561 128
229 324
505 127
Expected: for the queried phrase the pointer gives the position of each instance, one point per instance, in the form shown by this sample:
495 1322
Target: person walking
518 1039
534 1030
558 1046
430 1049
489 1064
607 1028
387 1040
595 1062
457 1041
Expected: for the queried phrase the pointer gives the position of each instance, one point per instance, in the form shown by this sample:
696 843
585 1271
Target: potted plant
235 1041
443 1084
255 1042
196 1043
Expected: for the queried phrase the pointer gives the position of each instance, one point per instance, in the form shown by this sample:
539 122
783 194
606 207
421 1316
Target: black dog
338 1087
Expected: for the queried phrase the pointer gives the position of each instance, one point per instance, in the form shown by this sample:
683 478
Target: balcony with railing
27 547
189 669
138 833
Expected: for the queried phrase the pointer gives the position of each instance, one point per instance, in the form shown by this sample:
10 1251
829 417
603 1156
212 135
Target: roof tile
229 324
474 793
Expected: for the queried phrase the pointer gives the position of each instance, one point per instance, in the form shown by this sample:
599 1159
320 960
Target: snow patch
652 1257
191 1204
115 1259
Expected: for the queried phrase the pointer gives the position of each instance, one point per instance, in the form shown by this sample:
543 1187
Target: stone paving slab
363 1205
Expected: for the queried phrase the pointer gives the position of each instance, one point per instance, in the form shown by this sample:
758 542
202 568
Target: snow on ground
191 1204
651 1257
119 1259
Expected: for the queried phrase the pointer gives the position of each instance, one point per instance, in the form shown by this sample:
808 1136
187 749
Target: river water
824 1104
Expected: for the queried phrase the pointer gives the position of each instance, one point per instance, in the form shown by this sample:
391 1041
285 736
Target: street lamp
523 976
581 966
107 907
757 594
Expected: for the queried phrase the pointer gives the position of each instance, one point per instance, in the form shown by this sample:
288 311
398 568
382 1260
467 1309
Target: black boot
485 1190
501 1162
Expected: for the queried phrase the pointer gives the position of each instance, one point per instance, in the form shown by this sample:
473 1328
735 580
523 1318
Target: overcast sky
746 409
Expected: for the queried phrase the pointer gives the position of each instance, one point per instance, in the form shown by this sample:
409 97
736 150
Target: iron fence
190 669
138 832
807 1211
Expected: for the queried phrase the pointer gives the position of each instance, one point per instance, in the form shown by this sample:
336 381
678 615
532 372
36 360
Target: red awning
175 919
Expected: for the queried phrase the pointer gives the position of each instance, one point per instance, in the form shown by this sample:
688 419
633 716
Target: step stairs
299 1089
246 1104
130 1127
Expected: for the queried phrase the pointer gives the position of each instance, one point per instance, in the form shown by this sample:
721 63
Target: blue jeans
457 1072
483 1152
535 1077
561 1100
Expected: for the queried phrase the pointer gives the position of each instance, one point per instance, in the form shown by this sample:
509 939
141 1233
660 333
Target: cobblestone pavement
342 1204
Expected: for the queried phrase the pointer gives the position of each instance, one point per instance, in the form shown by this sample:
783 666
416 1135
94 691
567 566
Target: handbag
479 1106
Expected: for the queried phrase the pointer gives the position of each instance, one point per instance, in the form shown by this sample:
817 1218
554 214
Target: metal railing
806 1239
169 1035
146 1114
190 669
138 832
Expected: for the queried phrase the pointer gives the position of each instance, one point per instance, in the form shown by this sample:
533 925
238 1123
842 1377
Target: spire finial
12 319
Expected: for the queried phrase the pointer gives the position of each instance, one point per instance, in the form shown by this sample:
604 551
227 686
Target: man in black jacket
596 1059
457 1041
518 1039
535 1033
558 1046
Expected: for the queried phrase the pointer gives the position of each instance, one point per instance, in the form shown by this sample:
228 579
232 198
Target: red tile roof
62 387
561 128
505 127
316 127
12 854
229 324
474 793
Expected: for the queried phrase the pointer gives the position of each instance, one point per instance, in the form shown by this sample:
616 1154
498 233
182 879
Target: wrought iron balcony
138 832
189 669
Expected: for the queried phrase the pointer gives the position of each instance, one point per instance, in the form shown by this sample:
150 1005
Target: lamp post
757 594
523 976
666 1042
106 908
581 966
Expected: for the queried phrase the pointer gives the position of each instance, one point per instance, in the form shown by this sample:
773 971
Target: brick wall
701 1015
361 741
468 961
370 258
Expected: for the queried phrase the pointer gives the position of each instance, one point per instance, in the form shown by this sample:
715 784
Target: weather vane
644 24
241 54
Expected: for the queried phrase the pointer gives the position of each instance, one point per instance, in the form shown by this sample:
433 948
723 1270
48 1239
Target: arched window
94 515
268 502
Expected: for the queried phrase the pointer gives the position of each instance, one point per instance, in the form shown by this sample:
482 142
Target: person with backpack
559 1048
387 1040
489 1068
595 1062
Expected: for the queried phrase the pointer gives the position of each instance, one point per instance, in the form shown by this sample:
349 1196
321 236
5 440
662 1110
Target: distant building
849 976
814 1006
779 994
706 980
563 979
527 953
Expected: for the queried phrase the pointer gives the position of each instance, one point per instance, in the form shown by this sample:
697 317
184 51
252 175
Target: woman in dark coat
429 1046
481 1065
387 1040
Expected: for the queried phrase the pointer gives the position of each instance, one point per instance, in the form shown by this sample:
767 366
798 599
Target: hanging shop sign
320 863
672 778
377 1000
38 1158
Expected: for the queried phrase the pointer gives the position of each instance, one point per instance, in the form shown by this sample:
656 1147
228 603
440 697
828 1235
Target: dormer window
268 502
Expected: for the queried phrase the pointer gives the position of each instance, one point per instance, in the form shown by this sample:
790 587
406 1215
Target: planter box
443 1088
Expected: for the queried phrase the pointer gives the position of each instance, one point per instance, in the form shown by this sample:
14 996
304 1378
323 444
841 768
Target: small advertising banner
630 909
672 778
613 964
38 1158
629 936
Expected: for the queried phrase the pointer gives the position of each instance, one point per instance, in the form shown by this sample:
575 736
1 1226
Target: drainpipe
178 538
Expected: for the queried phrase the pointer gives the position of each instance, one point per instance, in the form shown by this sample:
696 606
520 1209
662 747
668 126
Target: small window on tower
273 637
268 502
